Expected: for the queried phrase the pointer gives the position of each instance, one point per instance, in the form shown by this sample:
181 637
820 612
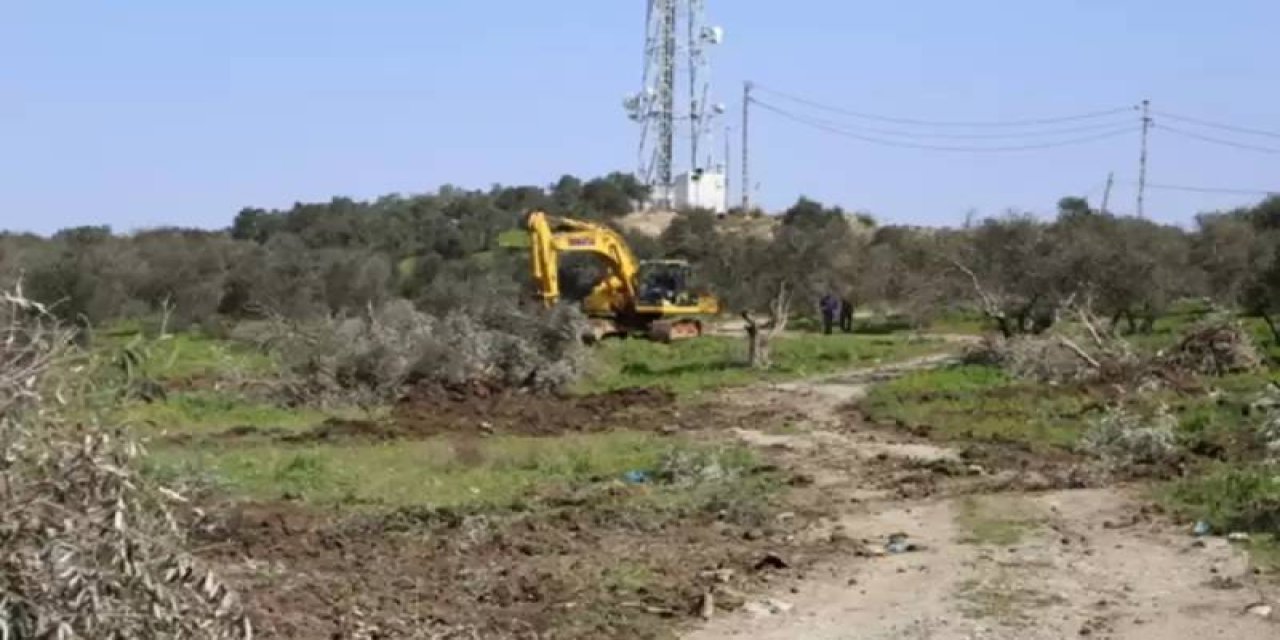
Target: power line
1218 141
825 126
1217 125
1008 135
1224 190
941 123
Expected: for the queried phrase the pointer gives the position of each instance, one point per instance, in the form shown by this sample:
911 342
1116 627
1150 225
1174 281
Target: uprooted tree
372 356
89 547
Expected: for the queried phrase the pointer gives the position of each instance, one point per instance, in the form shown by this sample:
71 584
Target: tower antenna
677 38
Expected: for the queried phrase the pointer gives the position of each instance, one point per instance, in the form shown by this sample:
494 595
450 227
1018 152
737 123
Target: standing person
846 315
829 307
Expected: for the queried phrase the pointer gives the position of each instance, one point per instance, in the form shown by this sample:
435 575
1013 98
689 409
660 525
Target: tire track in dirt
992 564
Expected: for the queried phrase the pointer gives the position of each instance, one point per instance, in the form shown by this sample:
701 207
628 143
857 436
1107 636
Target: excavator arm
552 236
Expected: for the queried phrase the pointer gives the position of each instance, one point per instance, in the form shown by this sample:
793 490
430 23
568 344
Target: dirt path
987 562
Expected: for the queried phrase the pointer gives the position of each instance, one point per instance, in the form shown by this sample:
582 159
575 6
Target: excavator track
672 330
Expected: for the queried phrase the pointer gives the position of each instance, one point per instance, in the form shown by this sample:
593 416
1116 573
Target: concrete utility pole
728 160
1106 193
1142 159
746 140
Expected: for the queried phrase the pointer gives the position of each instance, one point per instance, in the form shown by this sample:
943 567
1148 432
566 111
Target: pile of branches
1058 357
88 547
374 356
1216 348
1091 353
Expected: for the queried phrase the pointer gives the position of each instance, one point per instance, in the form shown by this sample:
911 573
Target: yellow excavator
651 298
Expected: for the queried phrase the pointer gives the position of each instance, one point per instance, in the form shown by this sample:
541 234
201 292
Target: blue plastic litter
636 477
898 543
1201 528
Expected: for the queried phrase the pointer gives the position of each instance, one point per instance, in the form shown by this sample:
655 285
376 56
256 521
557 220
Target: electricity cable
825 126
942 123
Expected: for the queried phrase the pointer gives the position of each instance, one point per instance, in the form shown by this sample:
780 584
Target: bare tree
759 335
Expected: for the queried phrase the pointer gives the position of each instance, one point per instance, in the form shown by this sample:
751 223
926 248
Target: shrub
1125 441
373 356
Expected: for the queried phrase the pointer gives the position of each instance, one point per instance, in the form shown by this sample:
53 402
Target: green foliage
1231 497
308 260
713 362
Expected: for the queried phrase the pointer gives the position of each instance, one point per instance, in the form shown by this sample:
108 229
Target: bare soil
1002 543
434 410
599 561
585 567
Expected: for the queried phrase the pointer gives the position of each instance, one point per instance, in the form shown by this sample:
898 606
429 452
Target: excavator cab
667 301
660 281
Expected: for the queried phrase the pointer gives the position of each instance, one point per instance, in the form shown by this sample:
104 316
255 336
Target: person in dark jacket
846 315
829 306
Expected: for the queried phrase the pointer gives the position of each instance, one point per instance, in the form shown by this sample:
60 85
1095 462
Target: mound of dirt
481 410
647 223
576 572
434 410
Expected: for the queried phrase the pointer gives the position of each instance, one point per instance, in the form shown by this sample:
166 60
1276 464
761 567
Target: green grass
981 403
714 362
1234 497
995 520
629 578
1002 595
1230 497
489 472
961 322
187 355
205 412
1264 550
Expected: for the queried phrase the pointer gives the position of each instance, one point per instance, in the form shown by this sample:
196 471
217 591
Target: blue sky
138 113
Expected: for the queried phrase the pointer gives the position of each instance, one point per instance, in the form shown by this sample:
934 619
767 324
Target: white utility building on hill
702 190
